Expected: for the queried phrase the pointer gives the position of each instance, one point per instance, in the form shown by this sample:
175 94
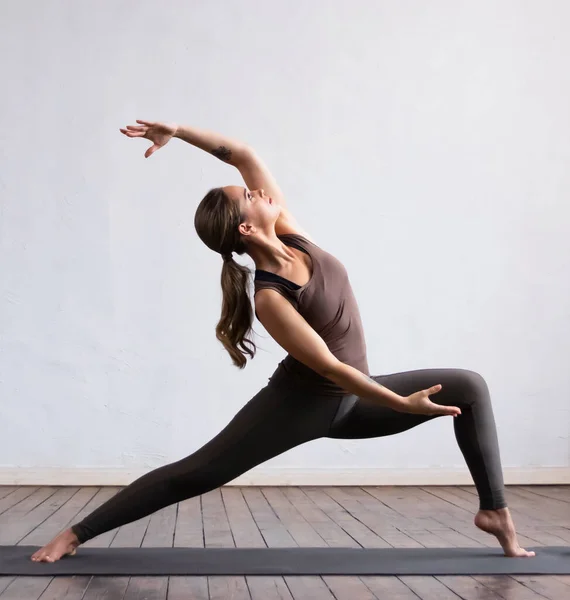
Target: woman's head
258 209
228 220
232 218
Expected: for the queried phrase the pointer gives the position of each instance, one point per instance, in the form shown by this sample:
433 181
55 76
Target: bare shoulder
269 303
292 332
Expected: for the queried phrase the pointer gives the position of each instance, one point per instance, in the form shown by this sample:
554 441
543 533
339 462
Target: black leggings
281 416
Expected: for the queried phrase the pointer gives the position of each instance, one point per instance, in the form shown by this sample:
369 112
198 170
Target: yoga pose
322 388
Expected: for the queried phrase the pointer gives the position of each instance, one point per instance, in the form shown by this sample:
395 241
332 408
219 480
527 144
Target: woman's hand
420 404
159 133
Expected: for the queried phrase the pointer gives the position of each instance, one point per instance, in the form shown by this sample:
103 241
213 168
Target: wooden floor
369 517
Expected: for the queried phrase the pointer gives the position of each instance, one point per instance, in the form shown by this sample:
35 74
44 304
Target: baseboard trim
100 476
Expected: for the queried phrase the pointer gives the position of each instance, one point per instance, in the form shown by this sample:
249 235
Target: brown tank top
328 304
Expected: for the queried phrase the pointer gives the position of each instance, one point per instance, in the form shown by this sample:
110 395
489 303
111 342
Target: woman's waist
292 373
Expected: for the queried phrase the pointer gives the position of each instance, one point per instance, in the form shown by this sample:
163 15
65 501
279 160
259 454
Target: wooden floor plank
5 490
428 588
300 530
438 537
562 532
402 510
556 492
276 535
565 579
507 587
158 533
39 517
458 497
350 524
548 587
473 587
334 535
380 586
21 501
270 527
556 509
35 520
218 534
247 535
387 529
342 587
189 532
420 508
524 510
13 496
130 535
468 588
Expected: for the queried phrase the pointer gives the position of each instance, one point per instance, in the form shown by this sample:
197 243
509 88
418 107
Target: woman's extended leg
276 419
475 432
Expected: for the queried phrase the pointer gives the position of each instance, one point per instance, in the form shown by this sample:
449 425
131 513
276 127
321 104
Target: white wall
425 144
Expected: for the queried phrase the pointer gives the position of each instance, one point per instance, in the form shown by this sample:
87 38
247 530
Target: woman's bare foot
65 543
500 524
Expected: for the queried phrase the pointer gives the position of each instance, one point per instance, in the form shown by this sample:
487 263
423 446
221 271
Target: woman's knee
473 386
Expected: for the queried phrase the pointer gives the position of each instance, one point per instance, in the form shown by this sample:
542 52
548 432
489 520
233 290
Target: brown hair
216 221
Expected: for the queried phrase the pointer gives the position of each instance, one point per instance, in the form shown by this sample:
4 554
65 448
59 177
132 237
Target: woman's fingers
151 150
145 122
447 410
440 408
133 133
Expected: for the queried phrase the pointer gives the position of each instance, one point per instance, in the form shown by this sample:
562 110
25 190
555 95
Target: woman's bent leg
273 421
475 429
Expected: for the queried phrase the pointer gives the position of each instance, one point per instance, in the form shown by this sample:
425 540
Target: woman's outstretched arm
253 169
225 148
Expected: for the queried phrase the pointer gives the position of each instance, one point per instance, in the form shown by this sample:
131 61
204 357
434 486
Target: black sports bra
262 275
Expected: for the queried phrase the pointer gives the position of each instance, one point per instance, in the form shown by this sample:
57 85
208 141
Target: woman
322 388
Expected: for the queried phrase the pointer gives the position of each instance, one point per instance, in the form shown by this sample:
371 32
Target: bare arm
227 149
292 332
253 169
362 385
238 154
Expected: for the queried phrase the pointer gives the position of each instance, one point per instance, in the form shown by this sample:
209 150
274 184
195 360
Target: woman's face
260 210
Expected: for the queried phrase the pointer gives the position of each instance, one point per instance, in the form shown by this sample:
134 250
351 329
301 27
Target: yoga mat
554 560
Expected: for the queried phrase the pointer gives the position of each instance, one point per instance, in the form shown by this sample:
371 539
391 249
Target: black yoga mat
15 560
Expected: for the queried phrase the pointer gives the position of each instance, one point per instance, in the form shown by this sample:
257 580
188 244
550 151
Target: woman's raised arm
227 149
